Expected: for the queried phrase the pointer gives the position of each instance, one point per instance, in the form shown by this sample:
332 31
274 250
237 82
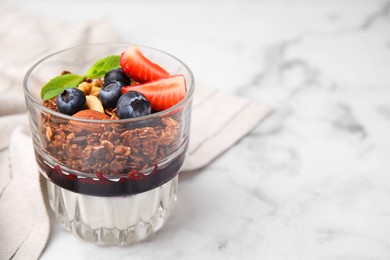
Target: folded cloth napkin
213 133
24 222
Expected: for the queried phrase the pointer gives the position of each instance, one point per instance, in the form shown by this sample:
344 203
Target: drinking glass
110 182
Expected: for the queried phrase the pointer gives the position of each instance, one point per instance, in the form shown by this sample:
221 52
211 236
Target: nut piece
49 133
91 88
85 87
90 114
95 91
96 87
94 103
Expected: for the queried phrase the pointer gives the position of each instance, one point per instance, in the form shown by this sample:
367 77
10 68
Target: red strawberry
163 93
140 68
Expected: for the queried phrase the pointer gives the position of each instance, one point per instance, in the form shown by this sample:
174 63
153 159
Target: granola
112 151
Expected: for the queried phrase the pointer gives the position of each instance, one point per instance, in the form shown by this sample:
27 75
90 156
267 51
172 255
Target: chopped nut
122 150
96 87
94 103
69 138
49 133
85 87
91 87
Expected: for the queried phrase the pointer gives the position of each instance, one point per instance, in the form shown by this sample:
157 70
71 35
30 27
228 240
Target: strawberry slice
140 68
163 93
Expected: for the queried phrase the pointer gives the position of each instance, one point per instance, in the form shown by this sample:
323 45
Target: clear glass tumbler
110 182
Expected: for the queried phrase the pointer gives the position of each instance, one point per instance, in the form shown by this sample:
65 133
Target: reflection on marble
312 181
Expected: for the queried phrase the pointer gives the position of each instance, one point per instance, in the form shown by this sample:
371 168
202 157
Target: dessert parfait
110 127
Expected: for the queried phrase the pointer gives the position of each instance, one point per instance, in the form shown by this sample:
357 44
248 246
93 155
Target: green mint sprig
58 84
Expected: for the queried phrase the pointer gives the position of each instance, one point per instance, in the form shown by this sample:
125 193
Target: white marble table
313 180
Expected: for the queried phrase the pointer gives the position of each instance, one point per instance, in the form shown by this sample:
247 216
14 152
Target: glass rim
189 87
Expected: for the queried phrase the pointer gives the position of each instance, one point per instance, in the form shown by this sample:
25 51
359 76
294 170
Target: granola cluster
111 149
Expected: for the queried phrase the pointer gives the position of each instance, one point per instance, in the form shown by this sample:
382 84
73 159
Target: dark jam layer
134 183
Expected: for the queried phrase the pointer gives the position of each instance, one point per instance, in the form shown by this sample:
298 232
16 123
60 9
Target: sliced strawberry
163 93
140 68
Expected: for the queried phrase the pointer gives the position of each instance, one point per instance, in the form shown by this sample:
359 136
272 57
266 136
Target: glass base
113 220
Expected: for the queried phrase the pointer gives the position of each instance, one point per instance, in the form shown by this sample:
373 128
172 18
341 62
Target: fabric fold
218 122
24 222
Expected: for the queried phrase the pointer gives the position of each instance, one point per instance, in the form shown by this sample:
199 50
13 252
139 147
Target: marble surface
312 181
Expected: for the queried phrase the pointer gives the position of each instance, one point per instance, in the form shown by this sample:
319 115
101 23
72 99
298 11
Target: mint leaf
58 84
102 66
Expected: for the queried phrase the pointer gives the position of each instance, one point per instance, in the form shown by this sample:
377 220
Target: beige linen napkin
214 132
24 222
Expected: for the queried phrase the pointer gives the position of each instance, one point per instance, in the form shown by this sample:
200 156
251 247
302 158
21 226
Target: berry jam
134 183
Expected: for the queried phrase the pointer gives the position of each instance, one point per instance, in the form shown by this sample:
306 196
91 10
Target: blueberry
117 75
110 93
133 104
70 101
